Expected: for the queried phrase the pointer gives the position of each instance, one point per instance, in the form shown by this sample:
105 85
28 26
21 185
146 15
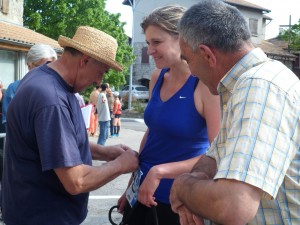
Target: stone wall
141 70
14 11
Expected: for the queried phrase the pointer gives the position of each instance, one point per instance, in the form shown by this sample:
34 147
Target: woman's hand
148 187
122 203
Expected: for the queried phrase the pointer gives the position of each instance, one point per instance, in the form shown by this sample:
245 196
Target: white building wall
249 14
15 12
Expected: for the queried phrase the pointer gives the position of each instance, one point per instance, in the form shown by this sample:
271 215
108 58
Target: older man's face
91 72
197 64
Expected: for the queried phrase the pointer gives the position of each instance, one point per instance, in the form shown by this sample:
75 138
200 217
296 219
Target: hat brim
67 42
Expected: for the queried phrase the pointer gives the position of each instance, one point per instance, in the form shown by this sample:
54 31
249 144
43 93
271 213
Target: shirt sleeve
57 137
259 141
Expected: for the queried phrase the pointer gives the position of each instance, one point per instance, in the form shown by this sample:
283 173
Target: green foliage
293 35
62 17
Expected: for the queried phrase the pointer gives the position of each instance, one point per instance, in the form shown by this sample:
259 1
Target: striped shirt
259 138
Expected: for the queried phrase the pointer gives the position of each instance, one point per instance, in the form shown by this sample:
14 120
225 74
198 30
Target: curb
139 120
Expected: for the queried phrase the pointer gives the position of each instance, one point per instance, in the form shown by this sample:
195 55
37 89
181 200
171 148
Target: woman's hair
166 18
40 51
216 24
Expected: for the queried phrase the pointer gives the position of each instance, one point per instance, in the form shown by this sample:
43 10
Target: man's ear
84 60
208 54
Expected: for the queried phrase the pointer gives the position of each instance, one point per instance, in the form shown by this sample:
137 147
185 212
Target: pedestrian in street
117 112
94 116
80 99
48 171
103 114
182 117
250 174
111 102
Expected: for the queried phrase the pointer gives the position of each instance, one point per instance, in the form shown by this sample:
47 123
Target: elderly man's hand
115 151
188 218
129 161
177 190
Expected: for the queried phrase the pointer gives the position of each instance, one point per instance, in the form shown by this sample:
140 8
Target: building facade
15 41
144 65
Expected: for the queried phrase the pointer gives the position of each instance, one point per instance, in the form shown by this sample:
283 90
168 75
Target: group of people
107 110
223 134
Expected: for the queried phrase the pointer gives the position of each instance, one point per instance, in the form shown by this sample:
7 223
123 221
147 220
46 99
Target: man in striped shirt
251 173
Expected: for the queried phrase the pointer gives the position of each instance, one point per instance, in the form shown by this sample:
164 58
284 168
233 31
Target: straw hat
95 44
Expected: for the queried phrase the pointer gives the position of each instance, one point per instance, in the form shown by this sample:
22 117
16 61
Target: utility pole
289 31
132 4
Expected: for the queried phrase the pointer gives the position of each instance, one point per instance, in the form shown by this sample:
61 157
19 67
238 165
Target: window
145 56
253 26
8 66
4 6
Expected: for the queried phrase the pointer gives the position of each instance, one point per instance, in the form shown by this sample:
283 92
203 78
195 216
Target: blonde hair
166 18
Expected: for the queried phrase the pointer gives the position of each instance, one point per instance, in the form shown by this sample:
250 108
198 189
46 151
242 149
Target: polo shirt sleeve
259 143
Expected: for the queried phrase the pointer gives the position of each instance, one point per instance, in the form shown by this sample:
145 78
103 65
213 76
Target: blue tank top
176 131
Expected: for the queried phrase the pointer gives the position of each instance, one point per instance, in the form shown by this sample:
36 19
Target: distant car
139 92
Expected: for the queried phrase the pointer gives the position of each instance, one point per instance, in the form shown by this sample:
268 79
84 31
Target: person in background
103 114
37 55
182 117
250 174
80 99
48 172
117 111
111 101
1 86
94 116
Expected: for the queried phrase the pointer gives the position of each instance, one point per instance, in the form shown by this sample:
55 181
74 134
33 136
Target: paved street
104 198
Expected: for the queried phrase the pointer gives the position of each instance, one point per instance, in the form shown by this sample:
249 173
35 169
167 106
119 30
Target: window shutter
5 6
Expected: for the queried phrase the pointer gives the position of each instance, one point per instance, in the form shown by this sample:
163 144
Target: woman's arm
208 105
162 171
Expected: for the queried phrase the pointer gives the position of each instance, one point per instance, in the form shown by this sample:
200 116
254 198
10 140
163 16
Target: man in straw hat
48 170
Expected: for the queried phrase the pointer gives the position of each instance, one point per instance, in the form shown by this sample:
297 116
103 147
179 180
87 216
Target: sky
280 12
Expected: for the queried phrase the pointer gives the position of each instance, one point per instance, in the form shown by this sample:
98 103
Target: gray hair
40 51
215 24
166 18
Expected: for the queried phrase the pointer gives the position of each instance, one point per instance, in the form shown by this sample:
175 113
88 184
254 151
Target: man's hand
176 189
128 161
115 151
107 153
188 218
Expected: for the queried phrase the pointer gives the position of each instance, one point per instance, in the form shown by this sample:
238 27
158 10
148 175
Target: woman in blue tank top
182 118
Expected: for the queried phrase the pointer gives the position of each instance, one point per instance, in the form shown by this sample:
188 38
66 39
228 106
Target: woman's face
163 47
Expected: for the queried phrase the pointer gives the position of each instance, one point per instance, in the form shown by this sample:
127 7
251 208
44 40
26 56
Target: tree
62 17
292 34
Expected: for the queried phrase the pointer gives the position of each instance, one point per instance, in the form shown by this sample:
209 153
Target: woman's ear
208 54
30 66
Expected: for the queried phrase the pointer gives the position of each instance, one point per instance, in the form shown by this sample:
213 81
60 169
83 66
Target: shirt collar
252 59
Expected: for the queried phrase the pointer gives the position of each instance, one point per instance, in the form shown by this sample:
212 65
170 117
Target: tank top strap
157 86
